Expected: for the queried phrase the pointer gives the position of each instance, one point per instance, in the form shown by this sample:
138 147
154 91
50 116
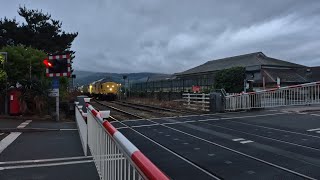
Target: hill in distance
86 77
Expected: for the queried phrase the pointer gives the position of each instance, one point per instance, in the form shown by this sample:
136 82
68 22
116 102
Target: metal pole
6 99
6 93
57 108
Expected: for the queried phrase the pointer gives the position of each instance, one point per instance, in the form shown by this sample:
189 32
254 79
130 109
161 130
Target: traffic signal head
58 65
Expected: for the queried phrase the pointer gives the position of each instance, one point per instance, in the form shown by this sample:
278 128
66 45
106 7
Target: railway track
119 113
126 110
160 108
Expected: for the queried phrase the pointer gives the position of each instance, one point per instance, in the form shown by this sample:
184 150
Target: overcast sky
170 36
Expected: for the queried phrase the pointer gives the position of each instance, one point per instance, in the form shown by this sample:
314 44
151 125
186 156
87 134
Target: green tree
25 67
39 31
24 63
230 79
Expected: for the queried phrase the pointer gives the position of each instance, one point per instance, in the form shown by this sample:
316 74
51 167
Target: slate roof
285 75
315 74
252 59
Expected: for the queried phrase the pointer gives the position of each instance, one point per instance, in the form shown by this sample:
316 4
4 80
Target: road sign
55 83
54 92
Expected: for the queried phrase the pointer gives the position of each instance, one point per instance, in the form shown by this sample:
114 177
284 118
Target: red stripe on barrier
109 127
94 112
151 171
87 104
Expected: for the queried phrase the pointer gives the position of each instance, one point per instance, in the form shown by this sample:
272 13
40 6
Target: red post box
14 102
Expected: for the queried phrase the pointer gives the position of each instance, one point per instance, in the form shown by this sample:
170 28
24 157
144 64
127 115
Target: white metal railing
197 101
82 127
114 155
302 94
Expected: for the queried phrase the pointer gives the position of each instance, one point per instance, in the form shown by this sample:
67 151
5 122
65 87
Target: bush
230 79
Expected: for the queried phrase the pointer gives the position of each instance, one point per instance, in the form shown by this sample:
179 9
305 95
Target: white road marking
44 165
179 156
68 129
48 160
276 129
246 155
317 131
1 134
313 129
211 154
238 139
245 142
315 114
5 142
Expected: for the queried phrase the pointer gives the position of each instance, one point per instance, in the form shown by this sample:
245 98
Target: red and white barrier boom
114 155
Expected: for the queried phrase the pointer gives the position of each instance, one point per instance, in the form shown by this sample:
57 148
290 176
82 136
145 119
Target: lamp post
6 94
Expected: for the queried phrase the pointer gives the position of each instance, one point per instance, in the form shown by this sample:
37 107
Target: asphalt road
270 144
47 155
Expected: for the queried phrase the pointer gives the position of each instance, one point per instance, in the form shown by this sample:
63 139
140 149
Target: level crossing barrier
302 94
82 126
197 101
114 155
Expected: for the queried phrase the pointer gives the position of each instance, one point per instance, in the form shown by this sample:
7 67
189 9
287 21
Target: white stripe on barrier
127 145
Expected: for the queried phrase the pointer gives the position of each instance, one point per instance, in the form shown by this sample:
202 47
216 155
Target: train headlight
110 89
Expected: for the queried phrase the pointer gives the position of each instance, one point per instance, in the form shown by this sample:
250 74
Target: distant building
261 70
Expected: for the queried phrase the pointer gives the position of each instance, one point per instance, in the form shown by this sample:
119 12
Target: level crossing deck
269 144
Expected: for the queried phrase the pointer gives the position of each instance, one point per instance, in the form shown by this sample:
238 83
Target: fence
197 101
174 85
302 94
114 155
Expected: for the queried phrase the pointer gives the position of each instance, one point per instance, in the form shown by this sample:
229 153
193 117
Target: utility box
216 102
80 99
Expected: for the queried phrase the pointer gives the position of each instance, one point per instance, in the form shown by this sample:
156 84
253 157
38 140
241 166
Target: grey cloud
173 35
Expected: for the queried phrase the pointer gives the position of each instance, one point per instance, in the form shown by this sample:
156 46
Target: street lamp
6 97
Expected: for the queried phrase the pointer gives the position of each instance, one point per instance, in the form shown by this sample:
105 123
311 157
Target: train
103 89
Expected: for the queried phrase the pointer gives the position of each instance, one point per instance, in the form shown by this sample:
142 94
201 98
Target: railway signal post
57 66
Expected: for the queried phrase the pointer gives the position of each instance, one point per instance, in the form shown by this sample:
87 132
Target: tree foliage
230 79
27 44
20 60
39 31
3 73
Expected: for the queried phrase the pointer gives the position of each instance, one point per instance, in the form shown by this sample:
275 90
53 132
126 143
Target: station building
261 71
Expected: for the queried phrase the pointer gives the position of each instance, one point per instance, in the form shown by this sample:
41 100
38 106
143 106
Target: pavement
268 144
54 153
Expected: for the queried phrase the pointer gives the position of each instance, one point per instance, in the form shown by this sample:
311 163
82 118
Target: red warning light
47 63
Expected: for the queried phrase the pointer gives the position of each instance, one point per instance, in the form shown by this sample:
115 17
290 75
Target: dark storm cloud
174 35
